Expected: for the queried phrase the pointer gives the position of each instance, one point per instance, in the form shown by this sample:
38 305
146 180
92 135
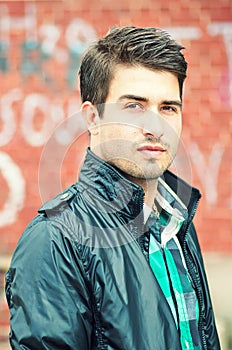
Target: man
114 262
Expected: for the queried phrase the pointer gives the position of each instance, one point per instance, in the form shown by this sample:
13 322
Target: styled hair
130 46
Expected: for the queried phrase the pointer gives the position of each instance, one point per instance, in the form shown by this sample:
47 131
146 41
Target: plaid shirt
168 265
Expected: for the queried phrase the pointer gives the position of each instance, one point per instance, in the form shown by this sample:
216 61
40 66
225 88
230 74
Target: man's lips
152 148
151 151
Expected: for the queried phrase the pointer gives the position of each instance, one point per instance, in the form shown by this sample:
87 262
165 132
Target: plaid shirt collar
175 211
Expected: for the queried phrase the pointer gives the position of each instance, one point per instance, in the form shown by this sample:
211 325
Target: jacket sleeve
49 302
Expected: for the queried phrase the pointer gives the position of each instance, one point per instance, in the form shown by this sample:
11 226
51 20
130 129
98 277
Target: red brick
207 106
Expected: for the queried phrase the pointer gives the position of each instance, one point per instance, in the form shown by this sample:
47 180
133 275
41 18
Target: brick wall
42 136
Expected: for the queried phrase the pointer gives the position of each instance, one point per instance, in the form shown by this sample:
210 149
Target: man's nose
153 125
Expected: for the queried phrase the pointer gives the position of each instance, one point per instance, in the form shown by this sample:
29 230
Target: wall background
40 46
42 135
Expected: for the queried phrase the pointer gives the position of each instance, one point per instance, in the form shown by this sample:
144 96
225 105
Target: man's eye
170 109
136 107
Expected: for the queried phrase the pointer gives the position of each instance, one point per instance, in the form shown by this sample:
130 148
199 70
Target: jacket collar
189 195
104 182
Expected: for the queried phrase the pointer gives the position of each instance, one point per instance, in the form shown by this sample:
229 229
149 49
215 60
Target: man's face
141 124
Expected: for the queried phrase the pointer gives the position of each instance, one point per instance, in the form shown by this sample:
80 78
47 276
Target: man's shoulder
59 202
55 220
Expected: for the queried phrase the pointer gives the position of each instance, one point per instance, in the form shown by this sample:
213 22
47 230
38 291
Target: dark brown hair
148 47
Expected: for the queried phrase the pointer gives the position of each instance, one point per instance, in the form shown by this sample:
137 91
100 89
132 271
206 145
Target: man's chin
147 172
143 175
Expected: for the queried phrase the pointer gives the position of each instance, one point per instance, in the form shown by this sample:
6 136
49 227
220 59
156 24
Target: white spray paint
16 183
32 103
207 170
225 29
7 115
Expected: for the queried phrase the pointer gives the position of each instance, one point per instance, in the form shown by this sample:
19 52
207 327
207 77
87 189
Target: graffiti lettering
16 183
50 112
42 118
225 29
32 104
7 115
73 126
41 43
207 171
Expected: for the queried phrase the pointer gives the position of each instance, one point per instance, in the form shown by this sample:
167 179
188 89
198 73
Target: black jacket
80 277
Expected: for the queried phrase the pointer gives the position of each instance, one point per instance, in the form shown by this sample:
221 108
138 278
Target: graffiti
7 115
51 112
77 35
207 171
16 184
32 104
225 29
40 44
35 115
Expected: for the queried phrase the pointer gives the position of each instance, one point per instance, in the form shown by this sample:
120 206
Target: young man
114 262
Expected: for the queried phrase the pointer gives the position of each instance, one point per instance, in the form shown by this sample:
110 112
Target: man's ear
91 116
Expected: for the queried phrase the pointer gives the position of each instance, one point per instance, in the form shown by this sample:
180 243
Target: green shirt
169 267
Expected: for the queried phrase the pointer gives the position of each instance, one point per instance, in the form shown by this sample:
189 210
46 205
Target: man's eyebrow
133 97
177 103
173 102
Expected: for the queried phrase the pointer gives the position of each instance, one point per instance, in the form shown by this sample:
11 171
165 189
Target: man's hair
129 46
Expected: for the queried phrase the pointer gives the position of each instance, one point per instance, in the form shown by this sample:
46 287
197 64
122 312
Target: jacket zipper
200 299
198 289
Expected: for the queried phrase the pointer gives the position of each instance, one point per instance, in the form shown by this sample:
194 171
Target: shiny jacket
80 277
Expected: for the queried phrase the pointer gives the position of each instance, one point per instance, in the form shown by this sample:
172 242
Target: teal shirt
168 265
